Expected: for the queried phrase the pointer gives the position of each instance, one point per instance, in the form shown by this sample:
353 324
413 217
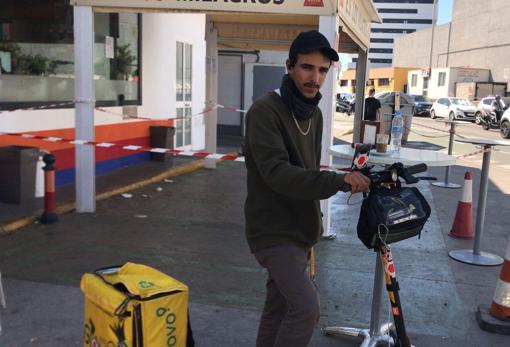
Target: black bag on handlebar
392 215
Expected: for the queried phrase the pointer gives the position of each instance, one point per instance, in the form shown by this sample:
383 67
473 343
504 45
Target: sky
445 11
444 15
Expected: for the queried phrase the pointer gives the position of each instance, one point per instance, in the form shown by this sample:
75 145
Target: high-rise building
399 17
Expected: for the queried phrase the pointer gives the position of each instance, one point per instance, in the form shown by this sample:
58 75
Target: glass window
441 81
414 80
344 83
420 98
37 54
384 82
461 102
183 90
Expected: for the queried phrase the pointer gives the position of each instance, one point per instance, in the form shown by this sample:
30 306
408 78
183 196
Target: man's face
309 73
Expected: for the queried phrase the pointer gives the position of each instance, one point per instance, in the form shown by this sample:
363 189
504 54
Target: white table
476 256
379 332
446 183
407 156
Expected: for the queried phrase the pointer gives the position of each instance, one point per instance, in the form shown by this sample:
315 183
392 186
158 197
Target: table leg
447 184
378 333
477 257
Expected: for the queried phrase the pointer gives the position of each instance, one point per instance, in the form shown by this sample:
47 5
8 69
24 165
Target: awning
304 7
271 24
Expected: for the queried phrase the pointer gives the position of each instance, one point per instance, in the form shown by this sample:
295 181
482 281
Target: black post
49 216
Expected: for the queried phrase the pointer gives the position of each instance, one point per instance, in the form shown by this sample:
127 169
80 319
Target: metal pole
482 199
211 121
475 256
375 315
446 183
84 107
434 20
450 150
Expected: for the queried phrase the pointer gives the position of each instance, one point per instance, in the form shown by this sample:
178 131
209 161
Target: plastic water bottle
397 127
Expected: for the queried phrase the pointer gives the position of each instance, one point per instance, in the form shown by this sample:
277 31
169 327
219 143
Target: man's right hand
358 182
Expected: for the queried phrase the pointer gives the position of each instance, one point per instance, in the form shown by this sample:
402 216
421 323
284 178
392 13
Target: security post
49 216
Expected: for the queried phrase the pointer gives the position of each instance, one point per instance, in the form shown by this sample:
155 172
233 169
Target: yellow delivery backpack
134 306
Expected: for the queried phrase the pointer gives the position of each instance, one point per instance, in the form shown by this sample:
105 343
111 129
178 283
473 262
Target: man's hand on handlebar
358 182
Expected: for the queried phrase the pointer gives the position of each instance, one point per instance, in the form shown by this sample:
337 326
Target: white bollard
39 179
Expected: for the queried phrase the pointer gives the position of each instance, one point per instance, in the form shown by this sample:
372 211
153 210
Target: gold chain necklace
304 133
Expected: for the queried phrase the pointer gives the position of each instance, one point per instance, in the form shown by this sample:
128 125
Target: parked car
422 105
504 128
485 106
453 108
345 103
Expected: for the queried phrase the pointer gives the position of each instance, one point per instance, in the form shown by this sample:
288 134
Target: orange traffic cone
498 318
463 222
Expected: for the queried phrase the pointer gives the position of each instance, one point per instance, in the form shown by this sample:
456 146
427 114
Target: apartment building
399 17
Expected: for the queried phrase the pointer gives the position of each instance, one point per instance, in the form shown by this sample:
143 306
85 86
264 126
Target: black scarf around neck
300 106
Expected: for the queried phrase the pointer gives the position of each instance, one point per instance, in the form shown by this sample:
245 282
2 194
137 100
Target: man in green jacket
285 184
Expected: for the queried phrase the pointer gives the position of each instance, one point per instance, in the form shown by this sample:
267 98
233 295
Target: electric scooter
392 334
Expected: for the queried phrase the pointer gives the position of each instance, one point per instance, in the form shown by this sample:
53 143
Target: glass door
183 95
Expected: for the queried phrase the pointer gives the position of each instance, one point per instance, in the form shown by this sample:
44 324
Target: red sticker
314 3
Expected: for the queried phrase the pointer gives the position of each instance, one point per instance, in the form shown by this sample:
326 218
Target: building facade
387 79
476 38
399 17
147 65
443 82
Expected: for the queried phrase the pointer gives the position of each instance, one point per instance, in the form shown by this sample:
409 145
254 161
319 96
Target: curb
343 132
69 207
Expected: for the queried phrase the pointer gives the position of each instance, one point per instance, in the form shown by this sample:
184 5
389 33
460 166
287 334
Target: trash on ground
159 189
127 195
141 216
168 180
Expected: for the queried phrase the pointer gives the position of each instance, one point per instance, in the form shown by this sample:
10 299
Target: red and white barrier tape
449 131
136 148
120 114
483 150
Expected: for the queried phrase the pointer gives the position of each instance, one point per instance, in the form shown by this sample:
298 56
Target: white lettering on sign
467 75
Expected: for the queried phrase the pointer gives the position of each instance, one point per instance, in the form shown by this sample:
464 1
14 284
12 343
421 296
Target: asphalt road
433 134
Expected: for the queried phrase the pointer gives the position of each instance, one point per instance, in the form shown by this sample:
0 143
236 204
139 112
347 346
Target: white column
361 80
84 107
328 26
211 93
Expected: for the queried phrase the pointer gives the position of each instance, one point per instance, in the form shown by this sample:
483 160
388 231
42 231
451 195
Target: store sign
468 75
304 7
425 72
